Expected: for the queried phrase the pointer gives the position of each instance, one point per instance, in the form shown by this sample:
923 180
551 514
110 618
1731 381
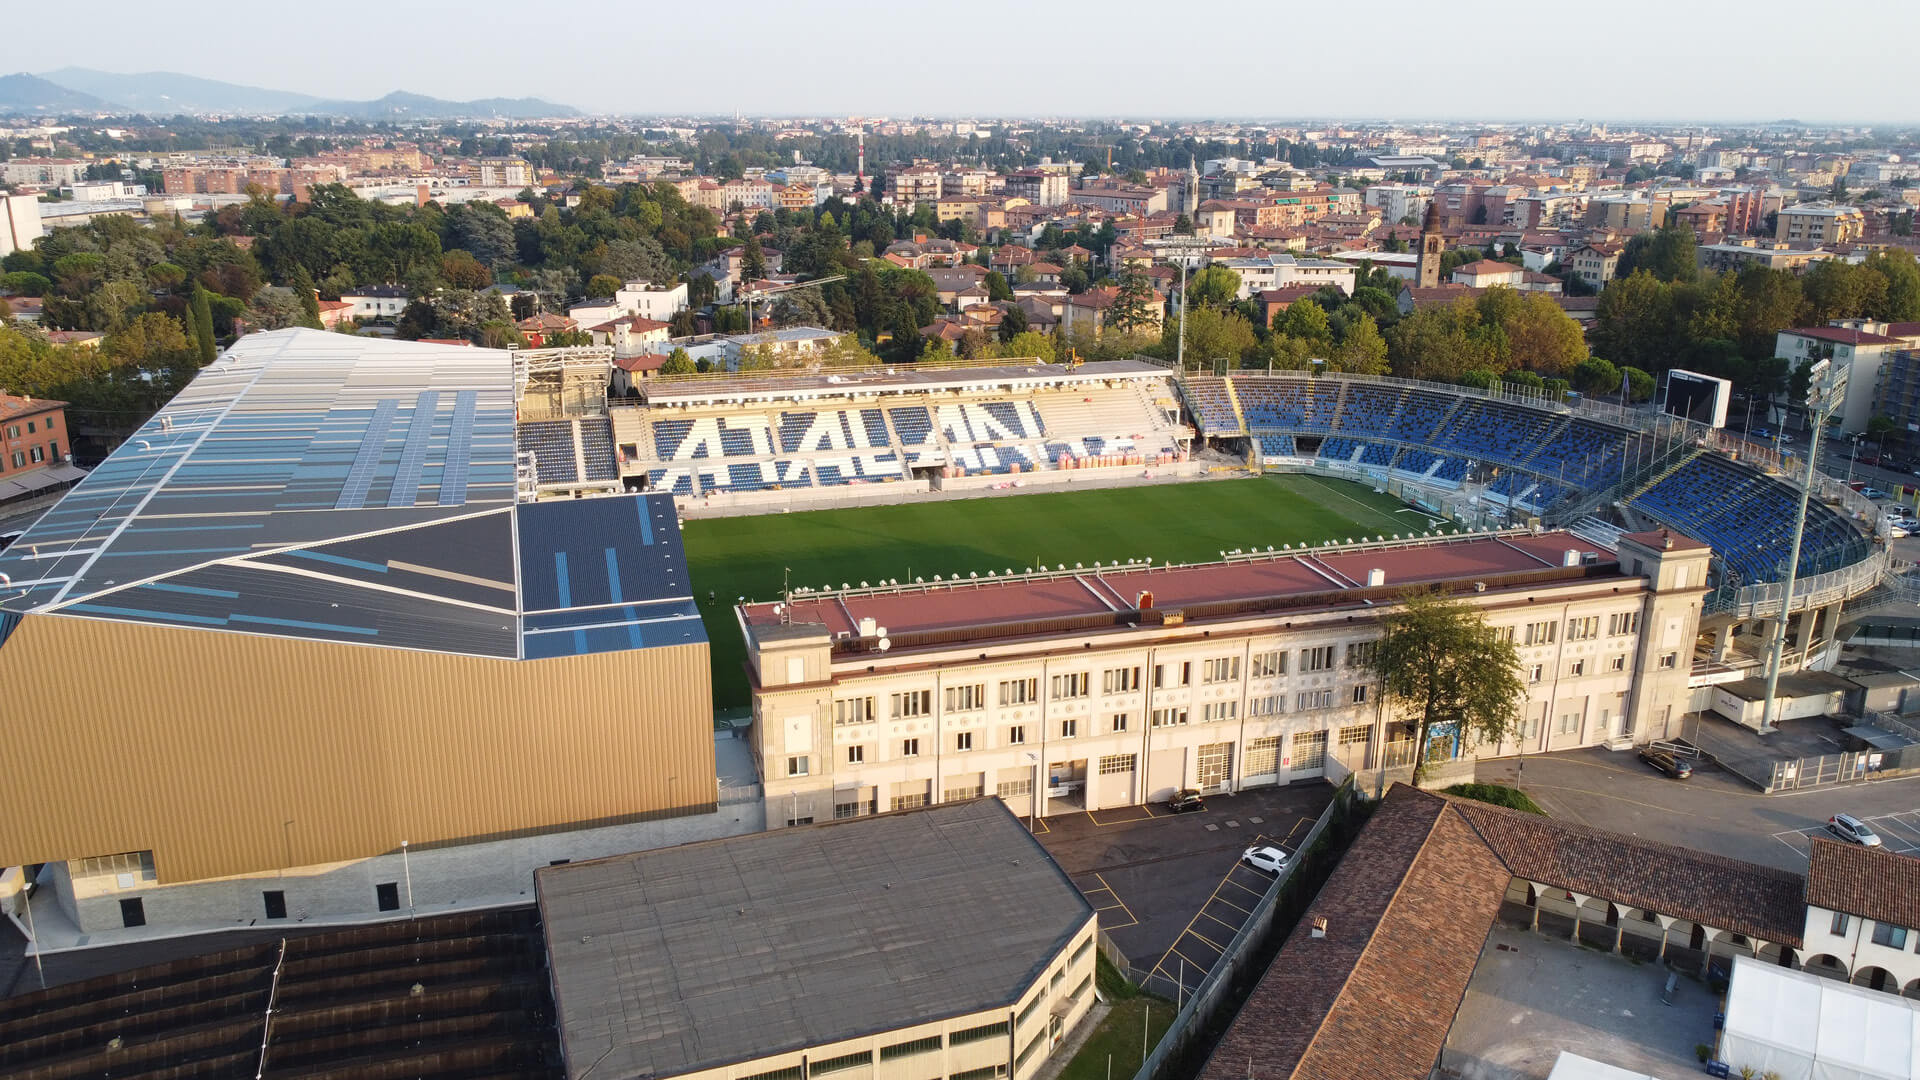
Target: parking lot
1170 889
1899 833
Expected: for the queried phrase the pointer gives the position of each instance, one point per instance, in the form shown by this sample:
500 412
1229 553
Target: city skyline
1461 68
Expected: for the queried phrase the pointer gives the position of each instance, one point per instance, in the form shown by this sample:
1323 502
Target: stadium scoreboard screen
1700 398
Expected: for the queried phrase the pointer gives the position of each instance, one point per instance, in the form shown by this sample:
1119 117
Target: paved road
1711 812
1170 889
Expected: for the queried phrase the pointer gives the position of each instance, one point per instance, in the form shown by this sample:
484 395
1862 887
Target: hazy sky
1473 60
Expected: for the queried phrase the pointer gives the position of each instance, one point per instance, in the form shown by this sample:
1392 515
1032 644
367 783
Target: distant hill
24 93
401 105
167 93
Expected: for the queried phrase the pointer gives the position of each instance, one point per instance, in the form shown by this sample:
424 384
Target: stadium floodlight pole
1826 389
406 864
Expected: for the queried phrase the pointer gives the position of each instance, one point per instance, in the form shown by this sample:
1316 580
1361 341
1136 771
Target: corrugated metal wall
201 746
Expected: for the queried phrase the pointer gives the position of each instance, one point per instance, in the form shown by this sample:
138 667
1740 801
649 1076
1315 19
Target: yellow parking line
1232 905
1223 922
1132 919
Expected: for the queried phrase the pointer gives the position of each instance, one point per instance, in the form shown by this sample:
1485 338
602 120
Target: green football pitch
1194 522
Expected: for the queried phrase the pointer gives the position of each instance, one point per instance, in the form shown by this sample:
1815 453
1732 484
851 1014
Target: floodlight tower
1184 251
1826 391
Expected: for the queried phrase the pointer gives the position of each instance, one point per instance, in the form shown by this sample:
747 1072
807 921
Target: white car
1853 830
1270 859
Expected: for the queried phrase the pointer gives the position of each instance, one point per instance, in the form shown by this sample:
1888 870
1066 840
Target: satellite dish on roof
885 644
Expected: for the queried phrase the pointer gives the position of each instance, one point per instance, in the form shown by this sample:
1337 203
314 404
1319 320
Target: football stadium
346 599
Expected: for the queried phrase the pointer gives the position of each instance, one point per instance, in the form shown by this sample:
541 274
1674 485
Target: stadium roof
347 489
695 390
701 955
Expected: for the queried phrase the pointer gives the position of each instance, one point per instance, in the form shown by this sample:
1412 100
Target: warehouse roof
348 489
706 954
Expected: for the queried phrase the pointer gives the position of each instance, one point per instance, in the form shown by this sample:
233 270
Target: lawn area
1119 1035
744 556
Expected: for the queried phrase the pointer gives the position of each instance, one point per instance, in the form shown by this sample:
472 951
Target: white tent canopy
1570 1066
1804 1027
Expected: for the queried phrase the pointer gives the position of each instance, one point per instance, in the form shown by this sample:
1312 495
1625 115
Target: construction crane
749 295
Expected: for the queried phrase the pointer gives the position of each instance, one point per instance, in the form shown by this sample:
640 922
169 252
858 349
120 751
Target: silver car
1852 830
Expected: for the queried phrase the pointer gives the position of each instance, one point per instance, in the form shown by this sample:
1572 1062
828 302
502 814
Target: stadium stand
1748 518
1206 397
1274 446
555 454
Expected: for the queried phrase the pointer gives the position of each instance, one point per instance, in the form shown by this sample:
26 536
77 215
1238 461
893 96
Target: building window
1624 622
1569 723
1577 668
1262 756
1310 750
1617 663
963 741
853 711
1314 699
1320 659
1219 710
908 1049
1893 937
1169 717
966 698
1540 633
1268 664
847 810
1360 653
275 901
1360 694
963 792
909 747
1071 686
1069 728
856 755
1119 721
386 895
1536 672
1116 763
966 1036
1268 705
1017 735
1222 669
1120 680
1014 789
1172 674
133 911
912 703
1668 660
1583 629
1356 734
840 1064
1839 923
1019 691
36 454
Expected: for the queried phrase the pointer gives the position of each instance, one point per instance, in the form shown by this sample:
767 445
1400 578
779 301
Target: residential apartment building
45 172
376 301
1399 202
1040 187
1860 346
1097 688
1595 264
749 194
504 172
33 448
913 186
1819 224
1733 255
1261 273
1121 200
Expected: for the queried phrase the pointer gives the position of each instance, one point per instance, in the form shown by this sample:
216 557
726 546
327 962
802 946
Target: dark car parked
1185 800
1676 767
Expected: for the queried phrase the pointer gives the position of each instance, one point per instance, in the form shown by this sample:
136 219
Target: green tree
1361 350
1596 376
1029 343
1668 253
304 292
753 261
1635 320
1900 302
1133 307
602 286
1439 663
463 271
1640 384
1215 336
202 325
1212 286
998 291
677 363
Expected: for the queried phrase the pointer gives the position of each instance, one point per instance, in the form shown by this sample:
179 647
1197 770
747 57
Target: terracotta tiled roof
1698 886
1408 909
1872 883
1485 267
1840 334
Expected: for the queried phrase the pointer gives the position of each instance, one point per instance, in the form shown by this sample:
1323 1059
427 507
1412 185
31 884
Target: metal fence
1827 770
1819 590
1199 1009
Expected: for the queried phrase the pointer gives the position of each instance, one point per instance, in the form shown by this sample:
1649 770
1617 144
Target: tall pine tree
203 325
